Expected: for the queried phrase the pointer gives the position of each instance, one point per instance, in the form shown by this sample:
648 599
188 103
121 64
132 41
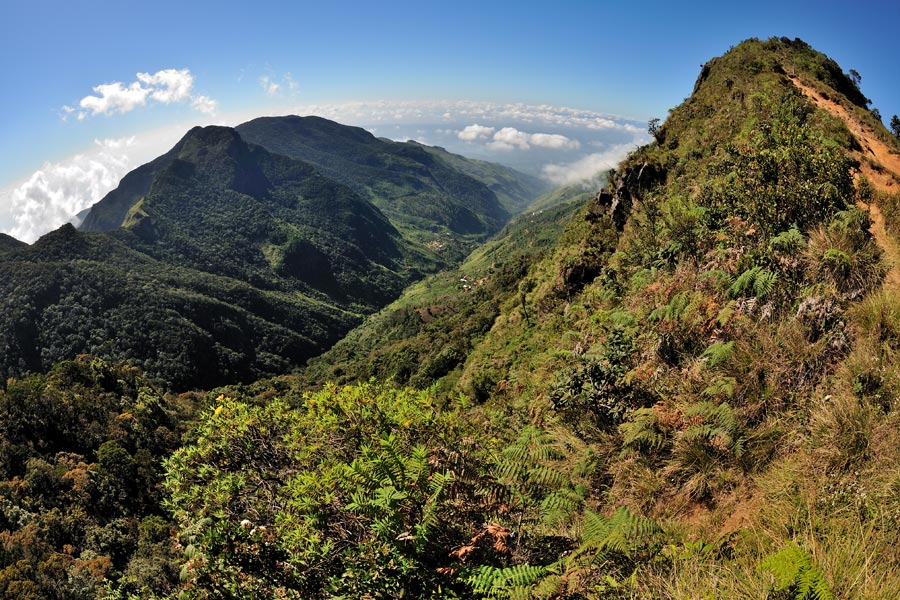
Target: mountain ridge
684 384
255 255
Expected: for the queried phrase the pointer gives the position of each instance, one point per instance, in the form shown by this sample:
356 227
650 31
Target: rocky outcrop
624 190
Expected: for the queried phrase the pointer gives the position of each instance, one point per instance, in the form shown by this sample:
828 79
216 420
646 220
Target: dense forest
246 262
681 385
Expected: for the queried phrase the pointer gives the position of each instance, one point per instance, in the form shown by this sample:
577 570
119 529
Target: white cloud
290 82
474 132
169 86
271 88
554 140
115 97
57 191
509 138
275 87
204 104
587 167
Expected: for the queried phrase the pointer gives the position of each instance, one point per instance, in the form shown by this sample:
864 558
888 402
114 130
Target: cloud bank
587 167
58 191
562 145
510 138
475 132
169 86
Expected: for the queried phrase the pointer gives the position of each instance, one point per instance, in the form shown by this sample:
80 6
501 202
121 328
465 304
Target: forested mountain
427 333
8 242
681 385
221 261
424 191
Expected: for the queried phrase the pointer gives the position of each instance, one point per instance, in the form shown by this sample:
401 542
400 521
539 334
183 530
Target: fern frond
641 431
794 570
718 353
496 582
764 283
722 386
788 241
744 282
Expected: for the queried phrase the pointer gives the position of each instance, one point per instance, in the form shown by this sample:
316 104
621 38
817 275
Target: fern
715 426
796 573
720 278
718 353
756 280
642 432
722 386
764 283
527 461
506 582
559 506
788 241
673 310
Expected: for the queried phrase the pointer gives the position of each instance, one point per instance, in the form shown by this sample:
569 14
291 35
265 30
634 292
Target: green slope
436 198
7 242
110 211
234 264
73 293
428 332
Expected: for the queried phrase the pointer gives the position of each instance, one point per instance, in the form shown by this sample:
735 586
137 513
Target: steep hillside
110 211
428 332
221 261
432 195
229 208
709 344
7 242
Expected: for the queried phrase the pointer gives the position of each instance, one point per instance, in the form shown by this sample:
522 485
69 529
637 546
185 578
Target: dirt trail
883 174
882 169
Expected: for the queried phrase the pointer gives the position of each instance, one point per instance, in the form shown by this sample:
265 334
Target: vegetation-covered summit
682 385
221 261
424 191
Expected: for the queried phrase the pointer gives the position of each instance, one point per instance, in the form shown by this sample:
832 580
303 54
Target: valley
292 359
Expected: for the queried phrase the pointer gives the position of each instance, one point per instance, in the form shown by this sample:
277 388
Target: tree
856 77
895 125
653 128
876 113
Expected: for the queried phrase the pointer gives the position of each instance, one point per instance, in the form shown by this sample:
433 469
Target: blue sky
623 61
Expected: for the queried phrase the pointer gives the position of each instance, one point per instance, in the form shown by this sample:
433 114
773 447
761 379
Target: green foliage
718 353
608 552
450 311
796 573
599 383
788 241
80 505
755 281
642 431
344 496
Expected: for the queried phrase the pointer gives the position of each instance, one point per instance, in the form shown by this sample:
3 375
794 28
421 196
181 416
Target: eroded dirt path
883 174
882 169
